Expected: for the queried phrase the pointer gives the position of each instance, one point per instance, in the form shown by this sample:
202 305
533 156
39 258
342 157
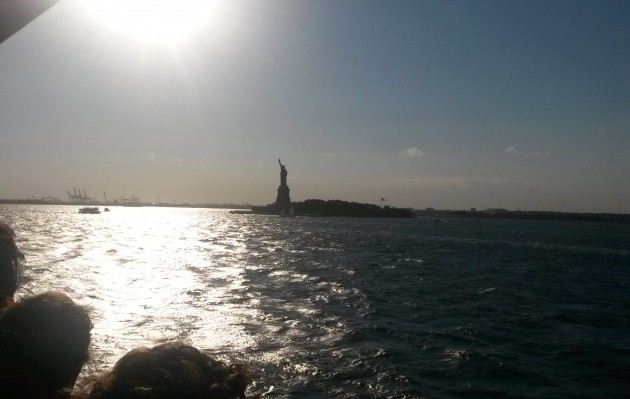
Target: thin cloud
412 152
458 182
327 155
510 149
540 154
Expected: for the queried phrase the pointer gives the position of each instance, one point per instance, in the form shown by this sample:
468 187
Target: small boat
89 209
240 212
438 220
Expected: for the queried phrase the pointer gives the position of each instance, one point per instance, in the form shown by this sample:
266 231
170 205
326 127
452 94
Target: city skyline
442 104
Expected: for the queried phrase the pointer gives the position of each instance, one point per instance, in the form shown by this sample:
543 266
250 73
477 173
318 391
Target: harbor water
345 307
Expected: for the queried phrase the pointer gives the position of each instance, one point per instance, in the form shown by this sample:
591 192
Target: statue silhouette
283 174
283 200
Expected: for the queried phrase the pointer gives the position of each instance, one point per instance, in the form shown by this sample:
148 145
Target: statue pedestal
283 200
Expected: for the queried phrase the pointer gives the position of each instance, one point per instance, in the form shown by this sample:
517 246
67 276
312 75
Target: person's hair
10 264
44 342
169 370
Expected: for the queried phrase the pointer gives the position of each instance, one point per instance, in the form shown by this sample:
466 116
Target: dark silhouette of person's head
10 265
170 370
44 342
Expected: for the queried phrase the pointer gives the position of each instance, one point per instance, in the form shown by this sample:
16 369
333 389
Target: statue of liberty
283 200
283 174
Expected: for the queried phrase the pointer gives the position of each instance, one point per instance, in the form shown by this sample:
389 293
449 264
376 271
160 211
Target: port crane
78 197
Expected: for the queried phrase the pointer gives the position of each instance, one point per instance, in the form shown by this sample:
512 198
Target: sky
444 104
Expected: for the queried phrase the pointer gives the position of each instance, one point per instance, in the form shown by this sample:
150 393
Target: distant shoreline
435 213
531 215
127 205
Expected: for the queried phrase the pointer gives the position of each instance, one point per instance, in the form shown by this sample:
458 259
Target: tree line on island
318 207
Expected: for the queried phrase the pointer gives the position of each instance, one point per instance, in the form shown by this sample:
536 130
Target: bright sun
153 21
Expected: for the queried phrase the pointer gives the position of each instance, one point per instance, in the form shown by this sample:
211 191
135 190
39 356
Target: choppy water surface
350 308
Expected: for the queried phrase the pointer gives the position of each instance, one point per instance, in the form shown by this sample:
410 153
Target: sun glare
153 21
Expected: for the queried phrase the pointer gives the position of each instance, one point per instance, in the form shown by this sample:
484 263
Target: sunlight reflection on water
148 274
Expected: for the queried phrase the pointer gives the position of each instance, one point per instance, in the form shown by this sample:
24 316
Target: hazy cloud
458 182
412 152
510 149
540 154
327 155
